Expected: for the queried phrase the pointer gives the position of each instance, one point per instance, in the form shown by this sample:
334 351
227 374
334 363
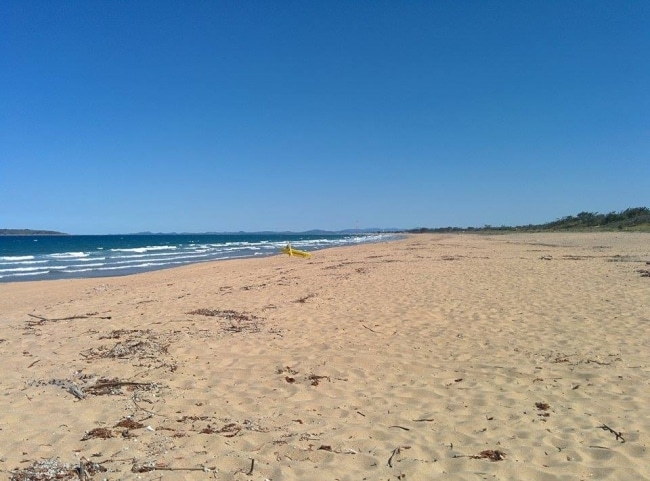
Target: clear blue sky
124 116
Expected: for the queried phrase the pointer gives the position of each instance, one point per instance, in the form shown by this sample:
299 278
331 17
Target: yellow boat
295 252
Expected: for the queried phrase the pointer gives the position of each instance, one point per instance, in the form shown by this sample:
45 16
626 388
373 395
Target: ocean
78 256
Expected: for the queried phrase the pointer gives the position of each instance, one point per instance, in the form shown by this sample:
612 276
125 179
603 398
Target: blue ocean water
76 256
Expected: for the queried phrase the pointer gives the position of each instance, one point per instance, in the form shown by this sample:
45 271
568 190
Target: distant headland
29 232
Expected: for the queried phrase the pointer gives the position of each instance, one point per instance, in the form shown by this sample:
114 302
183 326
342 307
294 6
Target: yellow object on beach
295 252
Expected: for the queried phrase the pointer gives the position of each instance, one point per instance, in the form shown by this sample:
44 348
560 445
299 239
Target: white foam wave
21 263
146 249
68 255
143 255
85 266
21 274
20 269
139 266
157 257
32 269
16 258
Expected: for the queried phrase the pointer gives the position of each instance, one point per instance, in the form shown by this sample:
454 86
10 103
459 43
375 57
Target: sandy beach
455 357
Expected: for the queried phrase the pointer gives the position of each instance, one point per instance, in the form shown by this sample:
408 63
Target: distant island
29 232
635 219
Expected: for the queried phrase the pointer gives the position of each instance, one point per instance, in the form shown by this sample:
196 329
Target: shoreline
410 357
79 257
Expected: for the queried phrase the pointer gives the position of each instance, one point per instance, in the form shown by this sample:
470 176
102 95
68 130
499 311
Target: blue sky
121 116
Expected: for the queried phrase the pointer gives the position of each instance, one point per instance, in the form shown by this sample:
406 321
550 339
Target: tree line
635 218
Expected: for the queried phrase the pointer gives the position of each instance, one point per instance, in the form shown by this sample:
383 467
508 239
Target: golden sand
450 357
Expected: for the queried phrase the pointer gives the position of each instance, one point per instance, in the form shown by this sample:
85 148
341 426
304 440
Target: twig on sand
395 452
618 434
400 427
250 471
371 330
70 318
146 410
105 384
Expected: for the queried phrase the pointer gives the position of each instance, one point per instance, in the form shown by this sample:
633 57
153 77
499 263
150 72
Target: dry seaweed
287 369
315 379
491 454
543 407
131 348
53 469
118 333
135 345
129 424
48 469
192 418
227 314
237 321
113 386
229 430
101 433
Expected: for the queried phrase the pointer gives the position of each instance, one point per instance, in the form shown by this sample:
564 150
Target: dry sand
411 360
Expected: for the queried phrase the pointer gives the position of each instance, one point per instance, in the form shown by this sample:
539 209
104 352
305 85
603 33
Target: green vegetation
634 219
29 232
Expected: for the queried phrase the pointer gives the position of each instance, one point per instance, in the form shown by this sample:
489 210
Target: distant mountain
29 232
